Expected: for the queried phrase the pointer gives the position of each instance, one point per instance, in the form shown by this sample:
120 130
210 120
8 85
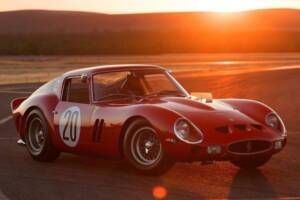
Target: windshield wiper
115 95
167 92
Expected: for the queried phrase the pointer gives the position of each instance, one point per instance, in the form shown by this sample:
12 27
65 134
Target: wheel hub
145 146
36 136
148 146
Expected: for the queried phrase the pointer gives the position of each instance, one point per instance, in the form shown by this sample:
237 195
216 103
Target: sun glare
230 5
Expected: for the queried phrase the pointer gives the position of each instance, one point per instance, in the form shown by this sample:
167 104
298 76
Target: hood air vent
240 127
257 126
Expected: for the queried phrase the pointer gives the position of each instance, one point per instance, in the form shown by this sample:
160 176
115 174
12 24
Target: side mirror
84 78
208 97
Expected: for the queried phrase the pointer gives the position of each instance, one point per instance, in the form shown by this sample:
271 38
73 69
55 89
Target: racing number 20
71 124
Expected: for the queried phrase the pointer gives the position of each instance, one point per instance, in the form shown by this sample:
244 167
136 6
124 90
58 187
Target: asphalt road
80 177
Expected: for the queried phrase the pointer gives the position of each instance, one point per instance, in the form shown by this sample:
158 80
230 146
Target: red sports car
141 113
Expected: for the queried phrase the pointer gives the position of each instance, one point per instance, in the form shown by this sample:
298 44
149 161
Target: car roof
108 68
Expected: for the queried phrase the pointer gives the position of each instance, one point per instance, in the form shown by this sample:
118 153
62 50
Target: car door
72 115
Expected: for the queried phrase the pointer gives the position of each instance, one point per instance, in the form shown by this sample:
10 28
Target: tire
37 138
250 162
143 150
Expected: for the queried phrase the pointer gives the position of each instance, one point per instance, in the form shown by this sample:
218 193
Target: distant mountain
43 21
40 32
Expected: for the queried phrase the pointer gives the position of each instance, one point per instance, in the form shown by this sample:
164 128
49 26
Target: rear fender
15 103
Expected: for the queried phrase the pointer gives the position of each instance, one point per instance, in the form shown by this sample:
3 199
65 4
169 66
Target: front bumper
219 152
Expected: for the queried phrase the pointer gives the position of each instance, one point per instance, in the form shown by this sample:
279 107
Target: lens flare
159 192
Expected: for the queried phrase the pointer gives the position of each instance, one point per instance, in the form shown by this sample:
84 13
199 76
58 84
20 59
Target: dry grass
20 69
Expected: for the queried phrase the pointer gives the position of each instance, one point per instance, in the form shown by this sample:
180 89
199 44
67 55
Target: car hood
212 114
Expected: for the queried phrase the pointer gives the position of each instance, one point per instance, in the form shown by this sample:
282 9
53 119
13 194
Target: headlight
275 123
187 132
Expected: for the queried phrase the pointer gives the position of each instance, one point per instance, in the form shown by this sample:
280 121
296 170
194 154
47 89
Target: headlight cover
186 131
274 121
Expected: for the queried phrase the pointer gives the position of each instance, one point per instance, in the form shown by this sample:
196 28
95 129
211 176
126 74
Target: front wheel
37 138
143 149
250 162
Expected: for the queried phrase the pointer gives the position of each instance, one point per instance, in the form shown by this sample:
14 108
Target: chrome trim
191 124
284 131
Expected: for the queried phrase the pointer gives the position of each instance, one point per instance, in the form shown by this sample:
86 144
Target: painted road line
6 119
14 92
2 196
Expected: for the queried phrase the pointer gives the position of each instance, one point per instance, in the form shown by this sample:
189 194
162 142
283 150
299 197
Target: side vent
224 129
97 130
241 127
257 126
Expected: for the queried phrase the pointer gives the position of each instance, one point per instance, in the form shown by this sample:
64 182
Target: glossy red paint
160 112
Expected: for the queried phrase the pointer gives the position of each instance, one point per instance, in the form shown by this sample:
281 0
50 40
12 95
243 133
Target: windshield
142 83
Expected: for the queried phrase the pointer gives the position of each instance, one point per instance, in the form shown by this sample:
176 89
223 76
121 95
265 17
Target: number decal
67 116
69 126
74 119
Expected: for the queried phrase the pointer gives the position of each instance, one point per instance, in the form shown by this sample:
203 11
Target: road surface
81 177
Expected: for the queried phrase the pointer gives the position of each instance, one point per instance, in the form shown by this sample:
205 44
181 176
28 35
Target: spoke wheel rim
36 136
145 146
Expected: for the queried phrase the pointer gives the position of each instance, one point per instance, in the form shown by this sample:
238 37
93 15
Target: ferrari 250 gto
142 114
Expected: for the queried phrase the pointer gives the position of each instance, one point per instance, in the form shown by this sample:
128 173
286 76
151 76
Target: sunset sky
139 6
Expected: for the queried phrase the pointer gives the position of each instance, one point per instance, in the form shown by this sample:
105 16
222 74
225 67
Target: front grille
249 147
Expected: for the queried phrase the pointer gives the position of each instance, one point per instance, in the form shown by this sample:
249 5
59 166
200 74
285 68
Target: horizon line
153 12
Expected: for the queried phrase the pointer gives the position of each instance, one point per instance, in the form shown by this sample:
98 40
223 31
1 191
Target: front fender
160 118
254 109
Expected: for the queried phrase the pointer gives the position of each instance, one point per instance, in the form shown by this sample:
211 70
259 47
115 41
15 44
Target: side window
76 91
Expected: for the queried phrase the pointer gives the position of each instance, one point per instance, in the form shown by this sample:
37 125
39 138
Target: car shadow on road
251 185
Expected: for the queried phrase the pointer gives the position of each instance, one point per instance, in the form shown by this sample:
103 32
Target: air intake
249 147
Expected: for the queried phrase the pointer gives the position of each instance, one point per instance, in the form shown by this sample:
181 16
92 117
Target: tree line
149 42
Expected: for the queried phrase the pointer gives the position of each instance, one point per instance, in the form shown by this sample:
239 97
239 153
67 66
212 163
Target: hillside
65 32
39 21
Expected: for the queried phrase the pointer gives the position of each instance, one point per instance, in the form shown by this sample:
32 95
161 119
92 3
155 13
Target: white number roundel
69 126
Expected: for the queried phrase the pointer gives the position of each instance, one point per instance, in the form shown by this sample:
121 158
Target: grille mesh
246 147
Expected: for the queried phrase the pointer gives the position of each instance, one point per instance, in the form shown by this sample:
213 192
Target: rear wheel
143 149
37 138
250 162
